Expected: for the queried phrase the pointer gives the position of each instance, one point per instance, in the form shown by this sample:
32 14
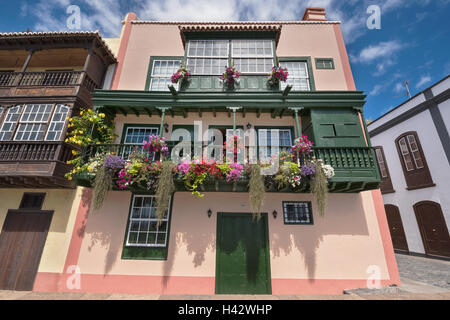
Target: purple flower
113 163
308 169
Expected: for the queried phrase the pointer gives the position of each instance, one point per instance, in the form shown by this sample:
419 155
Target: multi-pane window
57 124
210 57
272 141
324 63
297 212
381 162
410 153
33 122
162 70
9 123
298 75
207 57
252 56
135 136
143 228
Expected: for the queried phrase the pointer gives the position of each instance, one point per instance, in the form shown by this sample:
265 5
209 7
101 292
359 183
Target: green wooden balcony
355 169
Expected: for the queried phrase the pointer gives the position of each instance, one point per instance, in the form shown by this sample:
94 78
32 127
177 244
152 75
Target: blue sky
413 43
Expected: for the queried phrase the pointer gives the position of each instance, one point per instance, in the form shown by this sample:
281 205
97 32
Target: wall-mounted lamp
166 127
209 213
249 126
274 213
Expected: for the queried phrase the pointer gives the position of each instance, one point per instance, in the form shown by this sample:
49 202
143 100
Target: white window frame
303 204
415 150
381 163
33 123
54 123
291 75
126 150
405 153
149 220
195 58
268 144
154 76
7 120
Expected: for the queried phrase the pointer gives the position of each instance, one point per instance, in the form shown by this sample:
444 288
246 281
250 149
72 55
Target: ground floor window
145 238
297 212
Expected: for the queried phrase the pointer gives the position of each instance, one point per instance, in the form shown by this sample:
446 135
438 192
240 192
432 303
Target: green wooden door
243 261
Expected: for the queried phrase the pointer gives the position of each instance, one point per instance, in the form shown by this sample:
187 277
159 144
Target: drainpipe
297 121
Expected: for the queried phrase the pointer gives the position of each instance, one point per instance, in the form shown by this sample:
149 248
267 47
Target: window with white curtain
278 139
298 76
162 70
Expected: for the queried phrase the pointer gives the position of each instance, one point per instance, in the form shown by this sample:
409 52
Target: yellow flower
81 113
69 178
102 115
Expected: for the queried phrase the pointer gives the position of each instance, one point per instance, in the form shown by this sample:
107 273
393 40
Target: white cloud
381 50
376 89
423 80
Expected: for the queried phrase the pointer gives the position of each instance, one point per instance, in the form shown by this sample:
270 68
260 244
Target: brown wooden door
433 228
396 228
21 243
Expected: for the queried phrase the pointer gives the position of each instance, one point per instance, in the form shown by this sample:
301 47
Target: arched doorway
396 228
433 228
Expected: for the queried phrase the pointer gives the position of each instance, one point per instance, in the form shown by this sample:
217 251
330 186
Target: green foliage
256 190
164 190
319 188
102 184
90 127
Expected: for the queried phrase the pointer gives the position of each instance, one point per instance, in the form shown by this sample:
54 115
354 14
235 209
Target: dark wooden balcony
355 168
48 85
34 164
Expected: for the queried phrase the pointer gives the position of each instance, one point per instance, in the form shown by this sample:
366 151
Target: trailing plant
90 127
181 75
256 191
104 178
278 74
319 188
164 190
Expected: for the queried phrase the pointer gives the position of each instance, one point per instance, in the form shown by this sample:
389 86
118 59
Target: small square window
297 212
32 201
326 63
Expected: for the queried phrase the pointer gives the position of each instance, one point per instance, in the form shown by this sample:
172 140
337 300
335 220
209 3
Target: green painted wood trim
138 125
267 250
150 66
146 253
298 223
321 68
250 99
306 59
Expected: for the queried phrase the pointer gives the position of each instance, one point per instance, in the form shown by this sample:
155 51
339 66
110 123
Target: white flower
328 170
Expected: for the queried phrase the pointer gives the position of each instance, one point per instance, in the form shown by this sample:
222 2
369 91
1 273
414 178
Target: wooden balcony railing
40 151
47 79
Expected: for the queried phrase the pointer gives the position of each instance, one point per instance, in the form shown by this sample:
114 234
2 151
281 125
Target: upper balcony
62 67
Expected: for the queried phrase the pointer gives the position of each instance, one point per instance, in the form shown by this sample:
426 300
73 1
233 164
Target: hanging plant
319 188
103 181
256 191
89 128
181 75
230 76
278 74
156 144
164 190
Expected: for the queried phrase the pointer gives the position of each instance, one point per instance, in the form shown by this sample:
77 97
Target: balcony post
297 122
163 112
27 62
234 109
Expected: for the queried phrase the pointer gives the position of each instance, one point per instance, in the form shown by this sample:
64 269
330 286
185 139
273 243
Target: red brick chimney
314 14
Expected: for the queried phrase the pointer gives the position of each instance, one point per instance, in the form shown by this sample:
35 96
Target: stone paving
422 279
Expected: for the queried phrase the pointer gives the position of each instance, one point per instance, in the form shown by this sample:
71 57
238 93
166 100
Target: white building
413 153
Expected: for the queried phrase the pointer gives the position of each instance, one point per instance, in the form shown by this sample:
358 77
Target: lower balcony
35 164
354 167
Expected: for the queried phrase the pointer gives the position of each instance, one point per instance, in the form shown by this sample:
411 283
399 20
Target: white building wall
438 164
444 108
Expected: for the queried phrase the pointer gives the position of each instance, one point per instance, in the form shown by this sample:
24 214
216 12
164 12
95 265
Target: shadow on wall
106 236
342 218
62 213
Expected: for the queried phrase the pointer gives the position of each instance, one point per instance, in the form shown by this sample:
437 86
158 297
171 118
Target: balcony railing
35 151
47 78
